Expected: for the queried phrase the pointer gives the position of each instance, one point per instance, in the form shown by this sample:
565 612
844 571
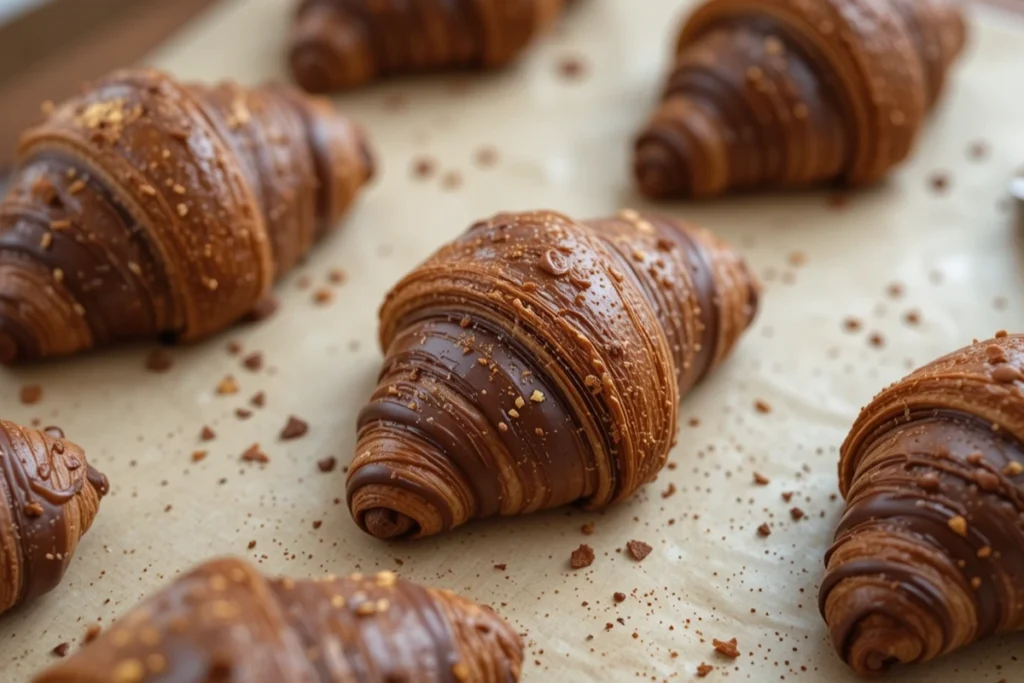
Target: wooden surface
48 51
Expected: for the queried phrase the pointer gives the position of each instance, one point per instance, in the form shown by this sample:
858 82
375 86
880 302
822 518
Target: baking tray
918 266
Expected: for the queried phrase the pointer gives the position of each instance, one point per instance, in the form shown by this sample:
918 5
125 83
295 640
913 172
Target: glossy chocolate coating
49 496
224 621
340 44
927 556
788 93
144 207
537 361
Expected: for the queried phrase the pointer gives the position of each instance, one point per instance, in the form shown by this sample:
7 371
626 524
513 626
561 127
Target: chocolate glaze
47 502
226 622
146 208
536 362
340 44
781 94
933 533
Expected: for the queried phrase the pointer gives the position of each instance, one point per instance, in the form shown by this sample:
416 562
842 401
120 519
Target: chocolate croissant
340 44
928 555
224 621
538 361
145 208
790 93
49 496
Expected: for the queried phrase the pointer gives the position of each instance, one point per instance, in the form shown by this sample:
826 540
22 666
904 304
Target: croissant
340 44
49 496
146 208
928 555
790 93
537 361
224 621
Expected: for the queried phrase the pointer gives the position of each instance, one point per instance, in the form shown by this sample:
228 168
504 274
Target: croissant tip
388 525
656 171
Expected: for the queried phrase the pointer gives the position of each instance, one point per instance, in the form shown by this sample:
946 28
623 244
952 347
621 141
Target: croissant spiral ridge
145 207
49 496
538 361
224 621
927 556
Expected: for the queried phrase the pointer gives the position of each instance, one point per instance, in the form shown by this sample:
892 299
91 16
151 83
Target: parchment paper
562 143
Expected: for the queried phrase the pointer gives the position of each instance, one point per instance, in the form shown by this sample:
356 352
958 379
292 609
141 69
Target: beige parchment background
562 144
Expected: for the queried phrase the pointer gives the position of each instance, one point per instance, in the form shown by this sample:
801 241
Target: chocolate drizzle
225 621
787 93
536 362
927 554
340 44
47 502
147 208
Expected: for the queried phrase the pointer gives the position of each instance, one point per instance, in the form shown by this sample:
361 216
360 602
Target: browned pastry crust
538 361
49 496
340 44
928 555
224 621
789 93
145 207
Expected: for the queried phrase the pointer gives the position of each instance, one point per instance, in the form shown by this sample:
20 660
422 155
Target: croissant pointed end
328 51
659 173
388 524
878 642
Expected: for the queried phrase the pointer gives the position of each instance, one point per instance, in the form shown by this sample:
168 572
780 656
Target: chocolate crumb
252 544
619 597
199 456
500 567
423 168
253 362
762 407
787 496
337 276
587 529
639 550
317 524
571 68
62 649
322 297
726 648
255 454
31 394
704 669
959 525
912 317
939 182
764 530
581 557
797 514
693 422
234 348
159 360
294 429
327 464
877 340
669 492
258 400
852 324
761 480
486 157
894 290
452 180
207 434
227 386
243 413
